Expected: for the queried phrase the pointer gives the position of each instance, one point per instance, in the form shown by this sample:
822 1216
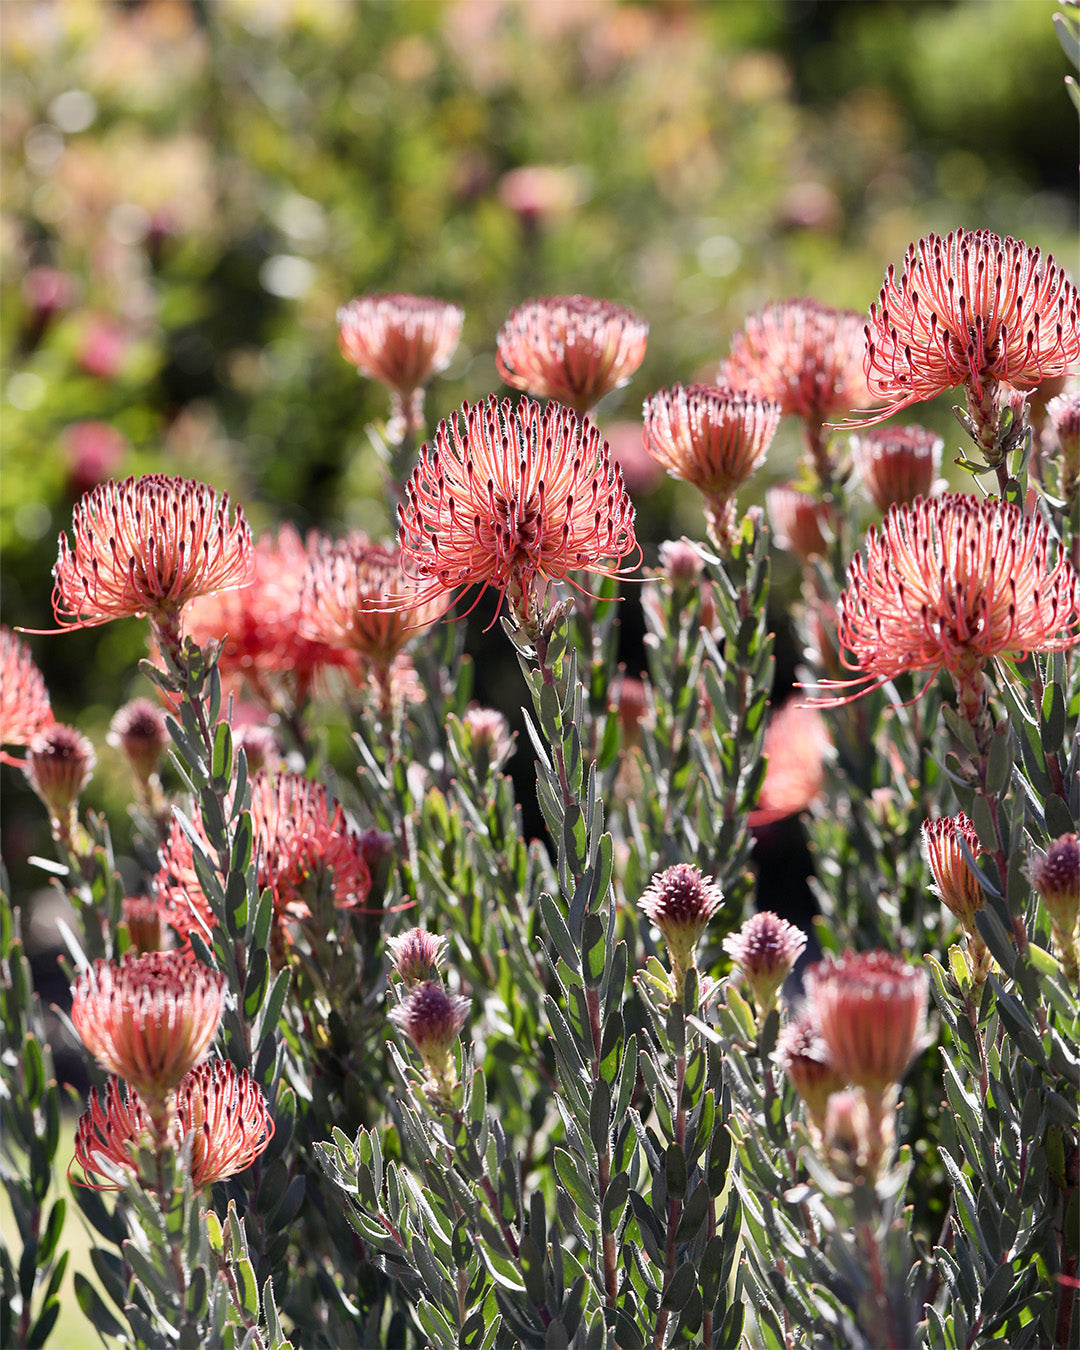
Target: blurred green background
191 189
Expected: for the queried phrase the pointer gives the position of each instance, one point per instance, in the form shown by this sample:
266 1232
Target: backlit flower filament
512 497
24 701
148 546
951 583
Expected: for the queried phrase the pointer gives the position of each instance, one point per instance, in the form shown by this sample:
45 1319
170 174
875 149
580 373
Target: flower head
801 523
342 603
399 340
796 742
870 1009
897 464
139 731
711 438
512 497
432 1019
58 766
571 348
142 914
220 1108
259 624
1055 876
416 954
967 308
802 355
804 1056
955 882
763 951
952 582
148 546
148 1019
680 901
24 701
1064 416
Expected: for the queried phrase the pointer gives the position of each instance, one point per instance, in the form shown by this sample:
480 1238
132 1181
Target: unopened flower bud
763 951
260 746
870 1008
1056 878
143 918
801 523
416 954
138 730
58 766
897 464
682 562
432 1019
490 739
803 1055
680 902
955 882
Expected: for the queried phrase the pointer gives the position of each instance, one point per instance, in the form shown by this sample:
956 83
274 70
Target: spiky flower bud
955 881
416 954
680 902
763 951
58 766
139 731
804 1056
1056 878
432 1019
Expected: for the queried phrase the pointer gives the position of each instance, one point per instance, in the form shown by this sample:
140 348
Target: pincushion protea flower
24 701
402 341
969 308
897 464
870 1009
148 1019
220 1108
713 439
148 546
796 742
259 624
342 600
955 882
950 583
572 348
301 840
512 497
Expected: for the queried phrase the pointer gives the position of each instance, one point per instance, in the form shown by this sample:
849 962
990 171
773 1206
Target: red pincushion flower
711 438
342 602
870 1008
301 837
955 882
512 496
801 523
260 623
572 348
897 464
24 700
399 340
796 742
967 308
221 1109
804 356
148 546
952 582
148 1019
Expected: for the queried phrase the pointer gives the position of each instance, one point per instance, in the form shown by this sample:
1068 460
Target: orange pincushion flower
24 700
260 622
804 356
219 1107
801 523
301 837
343 599
399 340
950 583
897 464
149 1019
967 308
870 1008
572 348
148 546
711 438
796 742
507 496
955 882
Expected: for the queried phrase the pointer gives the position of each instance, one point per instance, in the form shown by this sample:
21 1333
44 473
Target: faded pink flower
24 701
796 742
897 464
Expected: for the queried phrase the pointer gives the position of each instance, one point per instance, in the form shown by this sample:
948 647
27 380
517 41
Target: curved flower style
967 308
796 742
342 602
950 583
219 1107
301 838
870 1008
259 624
148 1019
804 356
148 546
512 496
711 438
897 464
24 701
572 348
400 340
